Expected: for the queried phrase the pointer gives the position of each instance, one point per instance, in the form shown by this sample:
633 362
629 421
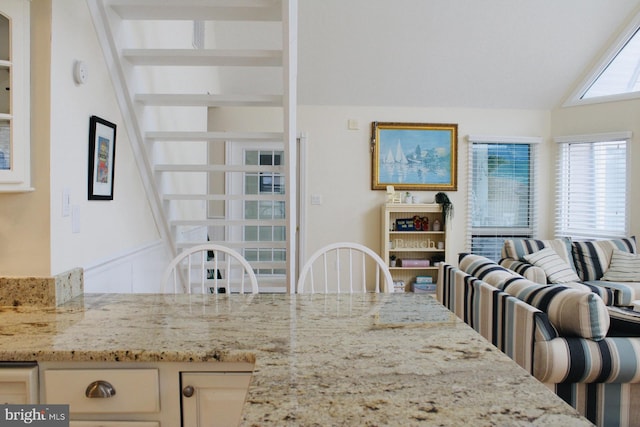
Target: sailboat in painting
398 158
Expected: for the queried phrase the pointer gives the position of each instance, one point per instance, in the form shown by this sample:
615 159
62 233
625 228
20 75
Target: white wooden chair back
342 262
195 266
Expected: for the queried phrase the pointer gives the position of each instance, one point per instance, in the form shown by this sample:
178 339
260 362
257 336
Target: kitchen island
352 360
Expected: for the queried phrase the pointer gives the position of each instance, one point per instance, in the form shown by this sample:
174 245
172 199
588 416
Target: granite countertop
366 359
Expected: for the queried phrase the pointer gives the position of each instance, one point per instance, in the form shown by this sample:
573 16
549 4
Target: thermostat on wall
80 72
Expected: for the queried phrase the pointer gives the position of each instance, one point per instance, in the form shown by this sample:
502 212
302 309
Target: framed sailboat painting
414 156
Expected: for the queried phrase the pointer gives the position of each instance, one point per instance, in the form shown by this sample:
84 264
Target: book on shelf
423 287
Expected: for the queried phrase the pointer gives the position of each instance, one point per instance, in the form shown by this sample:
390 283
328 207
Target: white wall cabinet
15 139
406 245
19 385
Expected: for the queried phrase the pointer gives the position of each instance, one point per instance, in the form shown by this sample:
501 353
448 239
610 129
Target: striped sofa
559 334
609 268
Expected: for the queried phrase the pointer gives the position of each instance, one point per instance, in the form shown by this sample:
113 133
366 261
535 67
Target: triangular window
622 73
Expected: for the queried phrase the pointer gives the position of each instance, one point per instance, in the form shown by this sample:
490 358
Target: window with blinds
501 196
591 194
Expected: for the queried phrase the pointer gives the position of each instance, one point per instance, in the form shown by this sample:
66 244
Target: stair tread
213 136
237 244
204 57
227 222
209 100
173 167
212 10
185 196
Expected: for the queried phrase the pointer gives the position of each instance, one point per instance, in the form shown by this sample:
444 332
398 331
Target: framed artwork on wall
102 154
414 156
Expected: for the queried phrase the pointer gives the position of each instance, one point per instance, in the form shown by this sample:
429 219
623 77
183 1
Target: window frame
560 197
505 231
576 97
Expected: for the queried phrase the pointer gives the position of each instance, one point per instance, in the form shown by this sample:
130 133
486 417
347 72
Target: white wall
608 117
106 227
339 167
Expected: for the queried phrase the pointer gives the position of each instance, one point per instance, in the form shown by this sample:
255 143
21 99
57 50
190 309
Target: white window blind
501 198
591 194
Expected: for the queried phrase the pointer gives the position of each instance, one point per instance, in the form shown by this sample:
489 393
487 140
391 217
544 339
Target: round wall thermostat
80 72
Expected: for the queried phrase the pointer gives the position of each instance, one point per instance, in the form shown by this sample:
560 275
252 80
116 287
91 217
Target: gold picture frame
414 156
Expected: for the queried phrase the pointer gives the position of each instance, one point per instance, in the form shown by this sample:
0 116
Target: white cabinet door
19 386
213 399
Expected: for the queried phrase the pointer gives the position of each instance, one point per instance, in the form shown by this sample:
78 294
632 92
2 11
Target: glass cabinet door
5 94
15 142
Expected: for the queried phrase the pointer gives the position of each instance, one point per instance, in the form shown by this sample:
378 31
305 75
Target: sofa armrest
526 270
581 360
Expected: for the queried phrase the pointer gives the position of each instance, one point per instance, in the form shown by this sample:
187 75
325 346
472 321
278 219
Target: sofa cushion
484 269
592 258
518 248
573 312
608 295
624 322
556 269
624 267
623 292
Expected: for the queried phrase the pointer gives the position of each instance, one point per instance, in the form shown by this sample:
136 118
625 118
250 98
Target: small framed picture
102 155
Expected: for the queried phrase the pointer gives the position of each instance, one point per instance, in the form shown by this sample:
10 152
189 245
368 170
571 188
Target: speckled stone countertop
320 360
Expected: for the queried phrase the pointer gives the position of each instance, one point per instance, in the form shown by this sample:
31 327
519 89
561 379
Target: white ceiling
452 53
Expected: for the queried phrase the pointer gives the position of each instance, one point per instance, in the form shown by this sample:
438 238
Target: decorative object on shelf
407 197
436 225
393 196
392 261
447 207
414 156
420 223
102 155
398 286
415 263
405 224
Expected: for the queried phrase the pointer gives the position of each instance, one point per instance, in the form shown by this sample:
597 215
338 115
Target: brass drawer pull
100 389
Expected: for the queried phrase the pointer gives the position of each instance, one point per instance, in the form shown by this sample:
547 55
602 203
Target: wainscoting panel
136 271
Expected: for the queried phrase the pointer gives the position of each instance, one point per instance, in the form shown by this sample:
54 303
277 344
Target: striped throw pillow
556 269
592 258
518 248
624 267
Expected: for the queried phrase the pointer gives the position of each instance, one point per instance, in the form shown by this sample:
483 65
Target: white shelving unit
405 245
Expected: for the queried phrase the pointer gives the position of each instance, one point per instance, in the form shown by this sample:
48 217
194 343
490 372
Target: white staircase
207 92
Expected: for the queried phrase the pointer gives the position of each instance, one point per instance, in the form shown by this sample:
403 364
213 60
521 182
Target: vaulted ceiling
525 54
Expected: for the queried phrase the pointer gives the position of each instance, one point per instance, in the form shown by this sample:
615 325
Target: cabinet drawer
136 390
